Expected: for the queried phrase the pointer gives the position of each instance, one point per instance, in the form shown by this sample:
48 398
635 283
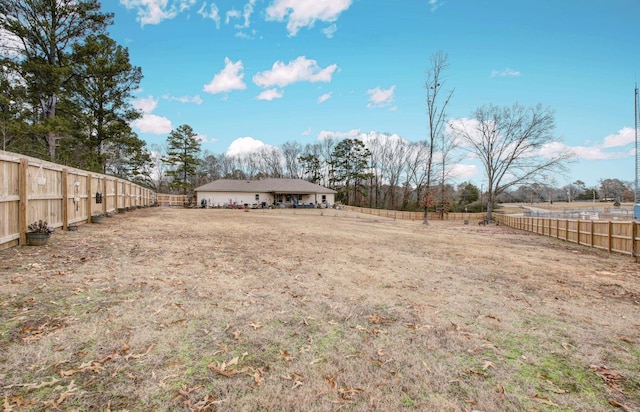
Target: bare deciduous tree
291 151
437 101
514 144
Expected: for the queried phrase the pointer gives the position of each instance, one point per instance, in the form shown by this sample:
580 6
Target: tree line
377 170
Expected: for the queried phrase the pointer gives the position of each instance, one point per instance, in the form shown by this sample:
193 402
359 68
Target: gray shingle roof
270 185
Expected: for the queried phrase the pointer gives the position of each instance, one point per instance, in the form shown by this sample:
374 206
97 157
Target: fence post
103 189
115 198
22 192
634 235
610 236
89 202
65 199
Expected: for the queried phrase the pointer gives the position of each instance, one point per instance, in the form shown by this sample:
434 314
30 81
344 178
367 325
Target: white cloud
330 31
304 13
298 70
324 97
463 171
326 134
10 44
185 99
213 13
150 123
244 145
380 97
231 14
435 5
270 94
248 36
202 138
624 137
156 11
605 151
145 104
230 78
307 132
596 153
505 73
385 139
246 13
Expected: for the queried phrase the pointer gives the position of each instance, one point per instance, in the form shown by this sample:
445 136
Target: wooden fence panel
612 236
44 193
621 239
166 200
76 202
110 194
32 189
403 215
9 200
600 235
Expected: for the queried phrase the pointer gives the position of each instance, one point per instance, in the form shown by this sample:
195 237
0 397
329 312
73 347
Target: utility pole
636 192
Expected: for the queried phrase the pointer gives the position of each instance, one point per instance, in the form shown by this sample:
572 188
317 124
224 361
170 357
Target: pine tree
183 148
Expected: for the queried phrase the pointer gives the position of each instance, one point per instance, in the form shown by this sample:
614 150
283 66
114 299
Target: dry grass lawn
323 310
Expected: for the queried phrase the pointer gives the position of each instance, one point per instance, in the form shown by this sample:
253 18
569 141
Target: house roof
269 185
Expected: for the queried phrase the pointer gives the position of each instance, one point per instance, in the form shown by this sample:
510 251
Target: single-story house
264 193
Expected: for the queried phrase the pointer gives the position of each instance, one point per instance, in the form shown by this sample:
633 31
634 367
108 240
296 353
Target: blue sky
245 73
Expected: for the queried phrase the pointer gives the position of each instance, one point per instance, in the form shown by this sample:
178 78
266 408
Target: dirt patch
166 309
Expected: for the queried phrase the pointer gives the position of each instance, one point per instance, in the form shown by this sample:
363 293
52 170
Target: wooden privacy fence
32 189
166 200
612 236
398 214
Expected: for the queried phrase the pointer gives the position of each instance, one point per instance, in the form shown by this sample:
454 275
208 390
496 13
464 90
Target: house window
257 197
299 197
324 198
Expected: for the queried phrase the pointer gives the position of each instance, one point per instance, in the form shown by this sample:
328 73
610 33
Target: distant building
264 193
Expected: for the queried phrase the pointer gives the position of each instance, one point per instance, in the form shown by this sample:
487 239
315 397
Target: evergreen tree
349 168
183 148
44 33
311 166
101 89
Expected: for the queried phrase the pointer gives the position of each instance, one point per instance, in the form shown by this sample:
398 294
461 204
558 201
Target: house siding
271 191
224 199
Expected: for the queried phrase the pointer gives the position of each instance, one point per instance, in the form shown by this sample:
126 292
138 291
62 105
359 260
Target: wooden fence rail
166 200
32 189
612 236
399 214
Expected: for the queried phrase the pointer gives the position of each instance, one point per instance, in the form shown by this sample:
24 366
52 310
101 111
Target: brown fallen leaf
487 364
331 381
617 404
611 377
375 319
543 400
286 355
132 356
